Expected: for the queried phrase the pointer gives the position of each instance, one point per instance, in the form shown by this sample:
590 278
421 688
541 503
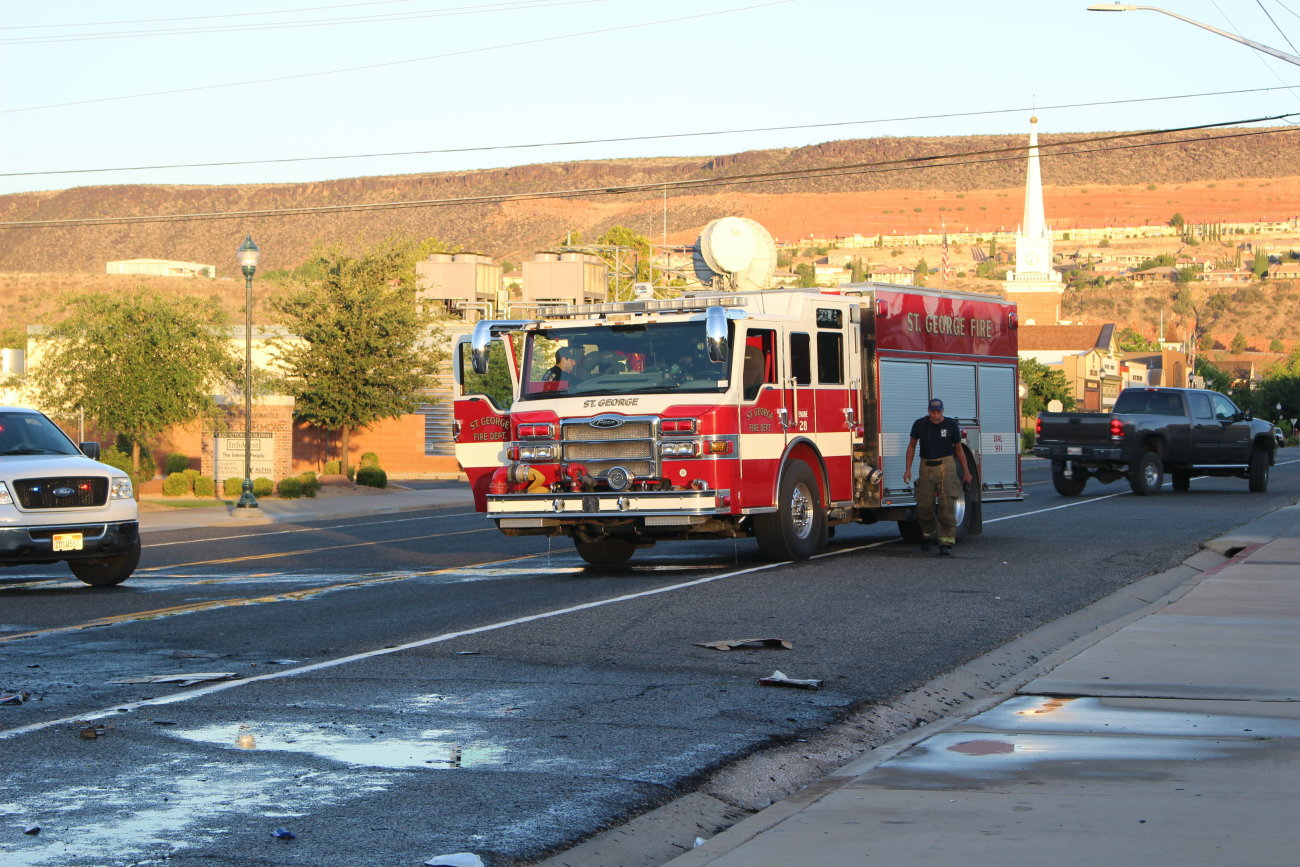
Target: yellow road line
273 555
290 596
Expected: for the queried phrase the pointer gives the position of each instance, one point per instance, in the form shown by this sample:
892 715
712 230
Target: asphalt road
415 684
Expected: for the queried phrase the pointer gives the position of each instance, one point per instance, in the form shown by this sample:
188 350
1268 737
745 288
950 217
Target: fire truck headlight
536 453
678 450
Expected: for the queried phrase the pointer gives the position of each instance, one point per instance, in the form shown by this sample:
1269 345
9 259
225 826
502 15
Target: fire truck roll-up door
904 390
999 438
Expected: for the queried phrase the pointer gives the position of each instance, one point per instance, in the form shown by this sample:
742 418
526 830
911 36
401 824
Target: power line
905 164
386 18
205 17
648 137
390 63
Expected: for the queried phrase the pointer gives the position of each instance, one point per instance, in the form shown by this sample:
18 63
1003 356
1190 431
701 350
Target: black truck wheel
797 529
108 571
605 551
1258 471
1147 476
1067 487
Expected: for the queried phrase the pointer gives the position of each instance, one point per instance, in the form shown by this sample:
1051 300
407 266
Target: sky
269 87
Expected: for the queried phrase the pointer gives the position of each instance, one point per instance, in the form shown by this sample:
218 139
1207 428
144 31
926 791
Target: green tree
136 365
1260 265
364 349
921 271
13 337
1239 343
1042 385
1275 345
857 270
631 264
807 275
1177 221
1213 376
1131 341
1189 274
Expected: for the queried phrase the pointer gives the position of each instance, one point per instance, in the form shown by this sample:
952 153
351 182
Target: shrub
263 487
372 477
176 485
191 475
1026 441
115 457
352 471
333 468
290 488
369 459
233 487
205 487
310 484
176 463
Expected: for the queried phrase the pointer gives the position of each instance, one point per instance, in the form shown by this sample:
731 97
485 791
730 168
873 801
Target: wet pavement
1171 737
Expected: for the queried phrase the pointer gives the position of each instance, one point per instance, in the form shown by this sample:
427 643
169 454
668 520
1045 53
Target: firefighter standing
940 440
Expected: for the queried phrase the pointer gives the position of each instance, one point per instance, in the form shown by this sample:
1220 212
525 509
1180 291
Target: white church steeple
1034 284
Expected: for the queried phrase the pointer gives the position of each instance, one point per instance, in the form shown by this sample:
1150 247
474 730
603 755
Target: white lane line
370 654
491 627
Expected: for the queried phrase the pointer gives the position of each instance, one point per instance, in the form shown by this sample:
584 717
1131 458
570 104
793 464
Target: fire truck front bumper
654 508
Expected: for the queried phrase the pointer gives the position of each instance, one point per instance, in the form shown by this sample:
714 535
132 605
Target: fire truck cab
776 414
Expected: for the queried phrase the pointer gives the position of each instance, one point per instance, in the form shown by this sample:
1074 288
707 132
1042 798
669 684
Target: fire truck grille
630 446
61 492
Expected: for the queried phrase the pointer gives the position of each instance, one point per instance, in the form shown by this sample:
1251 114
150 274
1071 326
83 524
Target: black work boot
927 543
945 550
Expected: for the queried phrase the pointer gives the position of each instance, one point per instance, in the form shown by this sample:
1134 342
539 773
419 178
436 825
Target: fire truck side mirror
715 334
479 346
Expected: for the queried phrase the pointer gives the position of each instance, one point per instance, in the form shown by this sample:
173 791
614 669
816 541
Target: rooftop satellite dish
736 254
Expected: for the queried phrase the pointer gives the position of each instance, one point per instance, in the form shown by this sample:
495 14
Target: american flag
945 267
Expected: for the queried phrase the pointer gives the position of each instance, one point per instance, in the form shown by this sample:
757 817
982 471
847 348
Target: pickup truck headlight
5 498
119 488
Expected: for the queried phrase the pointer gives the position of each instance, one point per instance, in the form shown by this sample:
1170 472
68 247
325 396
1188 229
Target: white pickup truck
58 503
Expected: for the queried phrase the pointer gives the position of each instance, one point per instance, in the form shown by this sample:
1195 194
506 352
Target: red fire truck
776 414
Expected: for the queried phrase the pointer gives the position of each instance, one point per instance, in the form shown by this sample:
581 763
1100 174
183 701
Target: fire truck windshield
620 359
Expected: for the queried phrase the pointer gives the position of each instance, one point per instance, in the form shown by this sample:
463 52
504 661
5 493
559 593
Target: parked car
1279 436
1183 431
58 503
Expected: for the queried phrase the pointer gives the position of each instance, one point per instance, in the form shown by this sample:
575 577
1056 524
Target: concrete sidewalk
1172 737
357 502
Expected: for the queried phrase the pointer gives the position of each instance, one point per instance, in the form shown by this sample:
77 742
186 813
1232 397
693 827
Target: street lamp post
247 256
1128 7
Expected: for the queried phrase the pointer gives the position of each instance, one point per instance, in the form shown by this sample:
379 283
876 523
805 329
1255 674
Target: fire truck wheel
911 531
605 551
1148 476
797 529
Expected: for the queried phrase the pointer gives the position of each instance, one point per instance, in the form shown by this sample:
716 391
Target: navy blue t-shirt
936 440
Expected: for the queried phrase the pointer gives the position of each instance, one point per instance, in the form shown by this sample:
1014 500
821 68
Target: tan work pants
939 482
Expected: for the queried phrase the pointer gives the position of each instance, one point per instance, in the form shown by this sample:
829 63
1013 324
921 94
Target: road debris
457 859
735 643
15 698
95 731
284 834
779 678
187 679
32 830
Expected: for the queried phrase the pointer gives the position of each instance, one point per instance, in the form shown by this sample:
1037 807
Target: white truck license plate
67 542
1074 450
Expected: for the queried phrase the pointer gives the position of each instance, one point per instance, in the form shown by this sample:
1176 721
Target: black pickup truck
1183 431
